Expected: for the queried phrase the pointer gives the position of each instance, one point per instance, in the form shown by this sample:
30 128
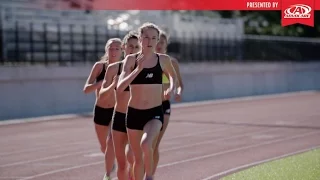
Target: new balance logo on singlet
149 75
157 117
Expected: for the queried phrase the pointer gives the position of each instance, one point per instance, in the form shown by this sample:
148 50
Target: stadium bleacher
32 30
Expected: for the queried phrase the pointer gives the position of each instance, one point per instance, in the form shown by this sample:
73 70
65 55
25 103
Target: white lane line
234 150
219 139
94 141
13 177
93 154
259 162
173 163
179 105
47 147
46 158
61 170
246 98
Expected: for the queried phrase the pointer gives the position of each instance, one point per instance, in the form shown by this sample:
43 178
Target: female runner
166 105
130 45
143 72
103 110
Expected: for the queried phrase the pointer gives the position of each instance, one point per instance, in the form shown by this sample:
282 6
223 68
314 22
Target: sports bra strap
119 69
158 58
135 61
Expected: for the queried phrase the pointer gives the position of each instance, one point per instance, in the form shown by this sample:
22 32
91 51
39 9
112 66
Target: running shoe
106 177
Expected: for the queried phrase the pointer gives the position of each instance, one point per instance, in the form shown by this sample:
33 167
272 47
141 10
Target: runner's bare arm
175 64
169 70
127 75
109 82
90 84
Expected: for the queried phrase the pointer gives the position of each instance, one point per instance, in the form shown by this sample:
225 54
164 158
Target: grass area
305 166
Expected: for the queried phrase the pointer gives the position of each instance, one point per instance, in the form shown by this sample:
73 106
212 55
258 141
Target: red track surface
202 142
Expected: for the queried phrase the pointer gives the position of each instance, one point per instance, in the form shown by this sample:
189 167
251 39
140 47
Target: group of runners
134 82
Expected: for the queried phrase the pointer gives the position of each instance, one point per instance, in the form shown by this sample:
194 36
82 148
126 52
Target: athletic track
203 141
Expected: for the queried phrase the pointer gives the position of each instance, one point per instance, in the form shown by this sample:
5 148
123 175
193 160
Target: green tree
269 23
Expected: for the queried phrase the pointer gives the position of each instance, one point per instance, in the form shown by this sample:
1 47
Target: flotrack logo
298 11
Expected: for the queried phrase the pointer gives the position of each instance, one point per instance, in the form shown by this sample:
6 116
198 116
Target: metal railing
67 43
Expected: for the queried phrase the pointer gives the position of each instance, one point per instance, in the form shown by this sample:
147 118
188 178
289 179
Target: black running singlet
101 75
150 75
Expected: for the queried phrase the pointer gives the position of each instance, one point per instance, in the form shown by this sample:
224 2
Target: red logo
297 13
